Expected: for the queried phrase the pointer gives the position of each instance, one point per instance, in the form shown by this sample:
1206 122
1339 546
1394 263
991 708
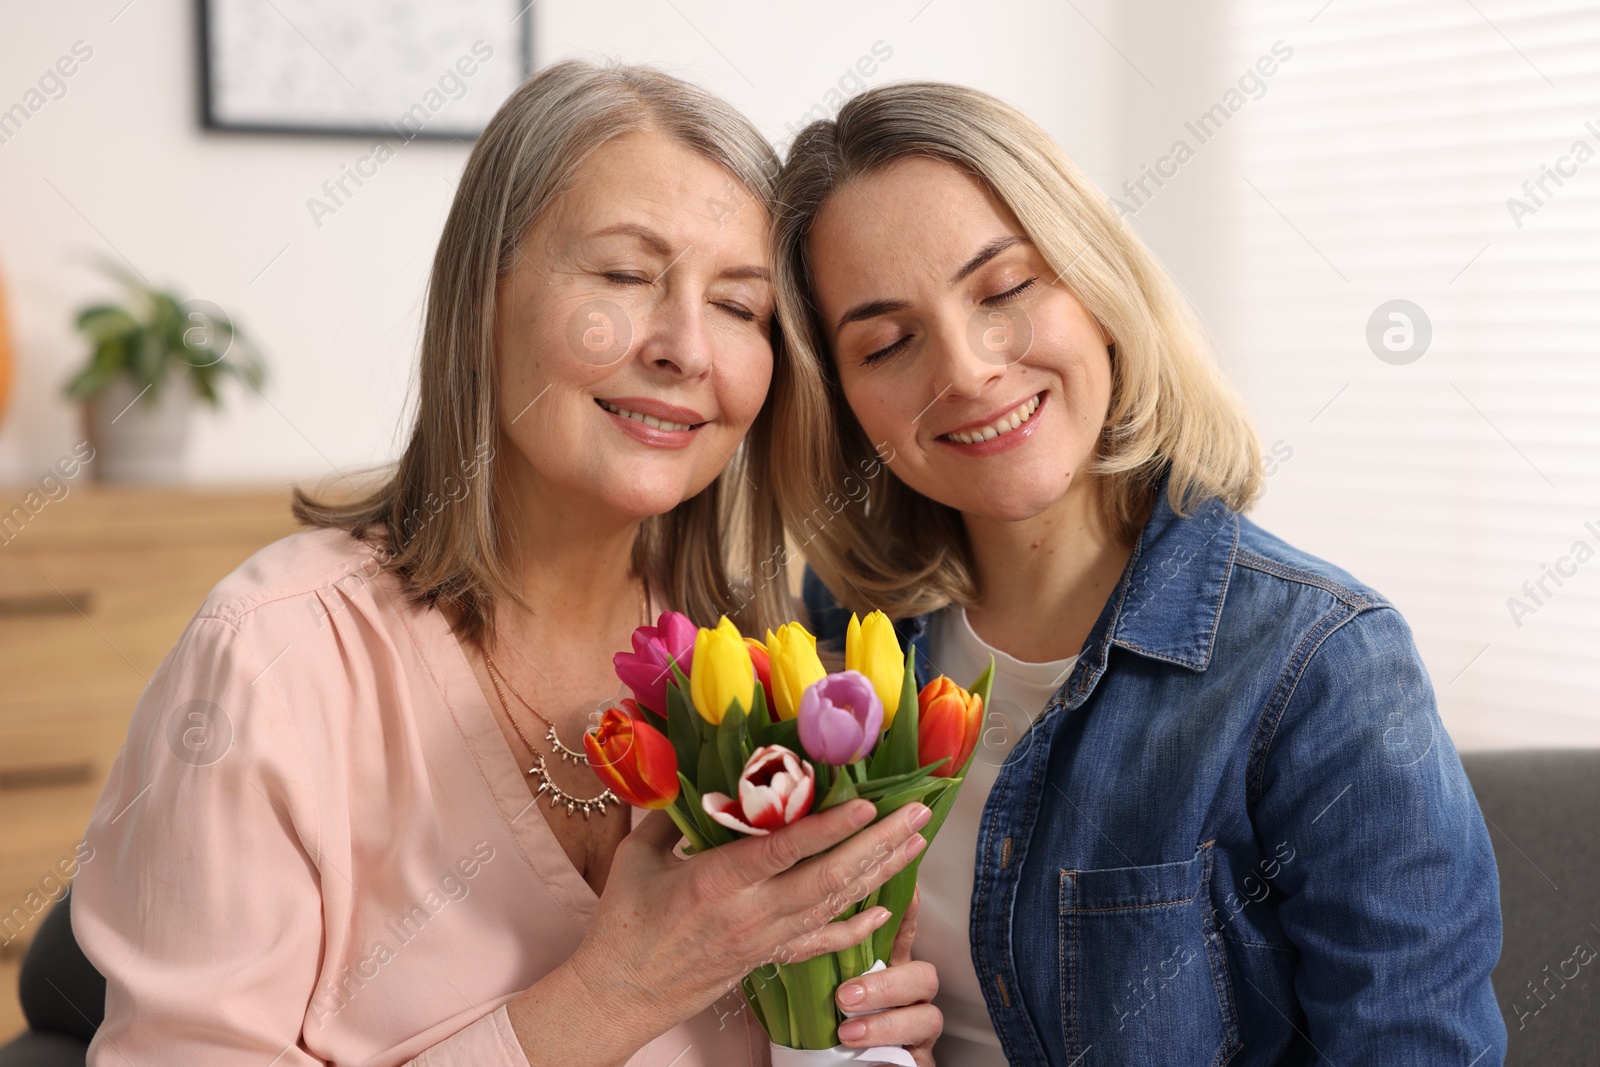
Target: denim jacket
1238 833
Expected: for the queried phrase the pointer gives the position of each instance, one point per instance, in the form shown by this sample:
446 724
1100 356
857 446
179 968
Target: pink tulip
647 669
775 789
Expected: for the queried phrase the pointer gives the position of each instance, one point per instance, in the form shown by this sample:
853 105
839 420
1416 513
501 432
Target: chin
1015 496
642 501
1014 508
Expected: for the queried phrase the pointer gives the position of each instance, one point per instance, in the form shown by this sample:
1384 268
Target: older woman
1215 817
324 841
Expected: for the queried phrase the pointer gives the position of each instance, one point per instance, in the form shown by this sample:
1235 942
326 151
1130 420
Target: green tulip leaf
897 749
843 789
692 805
786 732
760 721
711 777
895 894
732 746
683 730
877 787
900 798
657 721
985 682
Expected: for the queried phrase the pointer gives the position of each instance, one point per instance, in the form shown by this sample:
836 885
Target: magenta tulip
840 717
647 669
775 789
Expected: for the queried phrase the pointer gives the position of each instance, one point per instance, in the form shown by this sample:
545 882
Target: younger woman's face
979 377
632 332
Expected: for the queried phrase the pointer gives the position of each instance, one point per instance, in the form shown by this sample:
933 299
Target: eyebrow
870 310
874 308
650 238
986 253
657 244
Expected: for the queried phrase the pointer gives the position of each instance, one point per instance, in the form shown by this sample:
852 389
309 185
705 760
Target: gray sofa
1543 810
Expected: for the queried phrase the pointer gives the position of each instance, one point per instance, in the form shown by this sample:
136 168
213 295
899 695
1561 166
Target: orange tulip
632 758
949 720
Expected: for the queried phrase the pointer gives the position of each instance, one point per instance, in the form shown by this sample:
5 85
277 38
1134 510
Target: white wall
119 166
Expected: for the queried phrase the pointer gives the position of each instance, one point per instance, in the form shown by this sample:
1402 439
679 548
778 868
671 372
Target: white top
1021 691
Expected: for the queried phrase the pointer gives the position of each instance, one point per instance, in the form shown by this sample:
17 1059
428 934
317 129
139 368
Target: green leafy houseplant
149 336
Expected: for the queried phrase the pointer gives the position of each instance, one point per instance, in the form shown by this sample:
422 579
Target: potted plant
137 404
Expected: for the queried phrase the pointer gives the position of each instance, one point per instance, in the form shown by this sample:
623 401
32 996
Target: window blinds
1436 160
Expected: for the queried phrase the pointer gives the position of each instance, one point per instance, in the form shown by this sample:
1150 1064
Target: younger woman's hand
905 989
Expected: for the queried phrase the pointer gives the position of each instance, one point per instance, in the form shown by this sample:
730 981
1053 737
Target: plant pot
139 443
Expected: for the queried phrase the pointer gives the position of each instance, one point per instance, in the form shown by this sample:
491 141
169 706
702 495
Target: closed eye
1011 294
625 279
887 351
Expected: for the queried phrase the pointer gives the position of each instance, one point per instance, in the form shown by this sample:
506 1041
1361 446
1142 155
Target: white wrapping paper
840 1055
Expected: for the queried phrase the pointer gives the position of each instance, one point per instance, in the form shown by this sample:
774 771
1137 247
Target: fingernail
863 813
852 1031
915 846
920 815
851 993
879 916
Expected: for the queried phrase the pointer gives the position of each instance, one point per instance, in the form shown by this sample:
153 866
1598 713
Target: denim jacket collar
1169 598
1171 594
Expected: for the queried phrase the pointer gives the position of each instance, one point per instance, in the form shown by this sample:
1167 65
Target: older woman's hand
671 935
904 990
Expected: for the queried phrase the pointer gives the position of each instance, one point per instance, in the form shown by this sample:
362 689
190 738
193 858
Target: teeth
649 420
999 426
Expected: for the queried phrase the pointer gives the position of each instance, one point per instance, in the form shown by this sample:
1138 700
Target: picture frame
412 69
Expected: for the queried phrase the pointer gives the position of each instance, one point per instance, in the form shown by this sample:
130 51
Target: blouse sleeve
201 900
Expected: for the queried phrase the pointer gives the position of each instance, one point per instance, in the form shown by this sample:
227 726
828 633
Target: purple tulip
647 669
840 717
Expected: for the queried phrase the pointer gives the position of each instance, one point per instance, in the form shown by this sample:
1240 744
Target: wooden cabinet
95 588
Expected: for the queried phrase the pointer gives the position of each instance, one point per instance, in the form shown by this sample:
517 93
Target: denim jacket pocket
1143 975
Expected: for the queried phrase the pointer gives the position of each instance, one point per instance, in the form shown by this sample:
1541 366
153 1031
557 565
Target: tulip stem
811 985
696 842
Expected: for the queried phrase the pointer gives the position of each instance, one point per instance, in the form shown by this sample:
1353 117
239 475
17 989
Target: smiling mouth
1018 416
649 420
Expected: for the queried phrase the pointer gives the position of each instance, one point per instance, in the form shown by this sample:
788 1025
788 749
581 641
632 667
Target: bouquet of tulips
733 736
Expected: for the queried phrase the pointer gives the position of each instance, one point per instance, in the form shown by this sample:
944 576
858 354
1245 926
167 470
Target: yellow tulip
795 667
871 647
721 672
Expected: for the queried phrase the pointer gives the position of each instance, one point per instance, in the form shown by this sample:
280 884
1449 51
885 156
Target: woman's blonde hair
1170 411
445 535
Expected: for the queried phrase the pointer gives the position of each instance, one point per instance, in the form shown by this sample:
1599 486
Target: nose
967 366
676 340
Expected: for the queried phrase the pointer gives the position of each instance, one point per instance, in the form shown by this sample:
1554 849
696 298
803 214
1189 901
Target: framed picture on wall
406 68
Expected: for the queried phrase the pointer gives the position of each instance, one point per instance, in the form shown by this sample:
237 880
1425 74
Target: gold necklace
540 769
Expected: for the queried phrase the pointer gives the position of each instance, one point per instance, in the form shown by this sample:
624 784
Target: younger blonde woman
1214 817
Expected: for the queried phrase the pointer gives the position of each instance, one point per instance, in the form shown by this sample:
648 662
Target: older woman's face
967 362
631 334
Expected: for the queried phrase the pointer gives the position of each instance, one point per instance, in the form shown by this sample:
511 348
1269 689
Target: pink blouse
316 846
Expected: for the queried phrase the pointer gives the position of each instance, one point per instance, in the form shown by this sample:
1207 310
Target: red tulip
949 720
763 665
632 758
776 788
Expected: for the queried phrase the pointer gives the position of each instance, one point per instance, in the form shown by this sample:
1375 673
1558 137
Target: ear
1105 335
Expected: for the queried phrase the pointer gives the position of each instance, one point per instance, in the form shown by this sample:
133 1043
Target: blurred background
1387 212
